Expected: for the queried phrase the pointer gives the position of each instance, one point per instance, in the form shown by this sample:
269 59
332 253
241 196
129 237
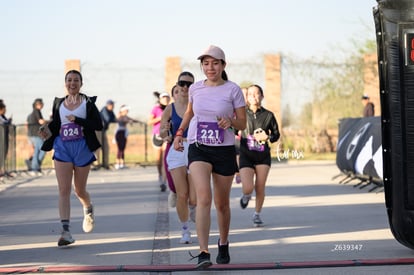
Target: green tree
337 91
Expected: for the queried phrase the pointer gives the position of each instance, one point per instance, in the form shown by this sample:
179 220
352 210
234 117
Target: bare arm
178 139
152 120
240 121
165 118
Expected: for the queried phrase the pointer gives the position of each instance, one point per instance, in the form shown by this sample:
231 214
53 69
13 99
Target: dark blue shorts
222 158
76 152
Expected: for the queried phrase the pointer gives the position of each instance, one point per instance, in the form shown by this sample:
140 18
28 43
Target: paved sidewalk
313 225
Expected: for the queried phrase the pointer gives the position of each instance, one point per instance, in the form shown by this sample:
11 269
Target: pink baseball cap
214 52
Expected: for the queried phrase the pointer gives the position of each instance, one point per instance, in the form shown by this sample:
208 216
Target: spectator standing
71 133
369 108
34 122
255 157
121 135
4 137
108 117
216 105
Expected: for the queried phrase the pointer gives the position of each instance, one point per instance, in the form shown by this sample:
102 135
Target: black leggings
121 141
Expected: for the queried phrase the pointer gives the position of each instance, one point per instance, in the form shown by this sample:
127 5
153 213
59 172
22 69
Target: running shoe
238 179
172 199
244 201
257 221
163 187
203 260
193 213
65 239
88 222
185 237
223 256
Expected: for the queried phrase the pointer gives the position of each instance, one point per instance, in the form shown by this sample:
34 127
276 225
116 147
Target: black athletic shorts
250 158
222 158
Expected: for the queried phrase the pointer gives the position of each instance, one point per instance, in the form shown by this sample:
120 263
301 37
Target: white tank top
78 112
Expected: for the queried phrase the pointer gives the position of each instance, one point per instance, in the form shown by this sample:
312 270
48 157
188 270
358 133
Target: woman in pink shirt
157 141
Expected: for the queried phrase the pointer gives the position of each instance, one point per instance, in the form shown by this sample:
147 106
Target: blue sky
43 33
40 35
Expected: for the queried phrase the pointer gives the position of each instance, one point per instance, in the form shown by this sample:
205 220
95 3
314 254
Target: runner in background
178 160
255 157
158 143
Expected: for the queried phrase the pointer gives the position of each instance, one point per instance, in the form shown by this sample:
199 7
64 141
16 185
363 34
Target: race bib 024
70 131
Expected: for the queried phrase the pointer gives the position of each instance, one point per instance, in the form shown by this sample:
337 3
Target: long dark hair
172 90
74 72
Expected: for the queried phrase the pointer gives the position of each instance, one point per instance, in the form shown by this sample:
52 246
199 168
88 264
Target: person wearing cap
369 108
34 122
108 117
216 107
121 135
163 99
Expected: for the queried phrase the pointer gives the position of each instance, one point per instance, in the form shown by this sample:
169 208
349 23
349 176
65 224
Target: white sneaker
185 237
35 173
193 213
257 221
65 239
88 222
117 166
172 199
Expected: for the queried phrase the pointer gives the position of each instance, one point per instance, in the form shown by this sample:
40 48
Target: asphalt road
313 225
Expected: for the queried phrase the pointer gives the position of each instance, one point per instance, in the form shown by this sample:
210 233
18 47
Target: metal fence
15 148
7 149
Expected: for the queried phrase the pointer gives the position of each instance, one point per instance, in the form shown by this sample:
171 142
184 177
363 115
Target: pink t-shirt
156 112
211 102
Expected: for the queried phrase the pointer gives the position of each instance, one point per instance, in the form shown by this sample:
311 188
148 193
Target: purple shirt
210 102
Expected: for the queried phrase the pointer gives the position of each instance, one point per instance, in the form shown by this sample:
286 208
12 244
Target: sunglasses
183 83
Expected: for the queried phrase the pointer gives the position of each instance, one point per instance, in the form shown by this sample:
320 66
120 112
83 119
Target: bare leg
179 176
247 177
262 172
222 187
64 172
204 199
81 178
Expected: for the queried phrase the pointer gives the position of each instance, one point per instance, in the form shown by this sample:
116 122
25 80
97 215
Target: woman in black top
71 134
255 157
